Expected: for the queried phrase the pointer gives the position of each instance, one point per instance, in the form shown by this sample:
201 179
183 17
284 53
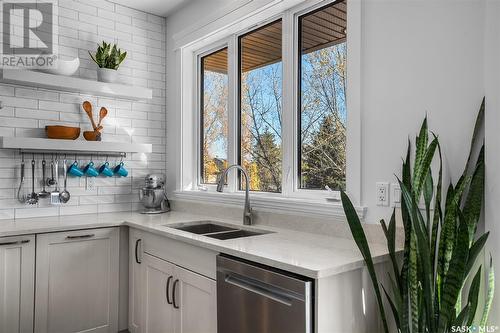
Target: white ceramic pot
107 75
63 67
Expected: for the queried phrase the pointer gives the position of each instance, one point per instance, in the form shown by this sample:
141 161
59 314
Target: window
260 113
272 98
322 98
214 101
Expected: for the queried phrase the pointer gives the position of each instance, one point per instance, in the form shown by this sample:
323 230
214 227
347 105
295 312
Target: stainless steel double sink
216 230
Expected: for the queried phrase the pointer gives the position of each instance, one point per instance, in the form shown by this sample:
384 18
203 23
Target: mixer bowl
151 198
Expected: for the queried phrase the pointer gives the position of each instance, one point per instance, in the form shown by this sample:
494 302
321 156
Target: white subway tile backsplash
80 209
36 114
97 21
78 6
19 102
100 4
26 111
17 122
110 15
131 12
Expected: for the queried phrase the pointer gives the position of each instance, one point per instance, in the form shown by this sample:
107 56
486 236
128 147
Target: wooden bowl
92 135
62 132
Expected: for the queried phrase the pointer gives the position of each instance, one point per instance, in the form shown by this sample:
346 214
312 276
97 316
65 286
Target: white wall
417 57
492 191
82 24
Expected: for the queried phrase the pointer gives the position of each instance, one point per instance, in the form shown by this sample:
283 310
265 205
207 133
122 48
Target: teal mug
75 170
105 170
90 170
120 170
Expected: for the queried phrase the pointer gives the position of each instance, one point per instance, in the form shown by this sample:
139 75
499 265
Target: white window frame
190 186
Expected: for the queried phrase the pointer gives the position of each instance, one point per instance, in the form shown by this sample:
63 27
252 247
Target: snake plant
441 243
108 56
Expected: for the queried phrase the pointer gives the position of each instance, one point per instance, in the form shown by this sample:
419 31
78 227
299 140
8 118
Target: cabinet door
77 281
17 268
135 284
196 302
157 279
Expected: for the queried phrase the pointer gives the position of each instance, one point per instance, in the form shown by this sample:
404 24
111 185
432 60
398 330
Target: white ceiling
158 7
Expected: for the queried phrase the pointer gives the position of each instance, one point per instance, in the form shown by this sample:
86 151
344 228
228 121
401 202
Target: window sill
273 204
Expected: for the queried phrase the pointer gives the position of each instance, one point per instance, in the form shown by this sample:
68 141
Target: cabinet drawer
194 258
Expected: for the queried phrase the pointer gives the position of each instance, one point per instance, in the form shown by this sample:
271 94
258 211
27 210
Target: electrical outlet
382 194
89 183
395 195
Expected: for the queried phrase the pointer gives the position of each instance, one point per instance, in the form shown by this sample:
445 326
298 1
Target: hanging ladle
64 196
43 194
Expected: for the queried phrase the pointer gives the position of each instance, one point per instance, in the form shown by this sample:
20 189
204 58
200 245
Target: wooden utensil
92 135
88 109
102 114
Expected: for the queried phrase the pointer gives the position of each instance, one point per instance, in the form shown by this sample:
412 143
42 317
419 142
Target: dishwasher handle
262 289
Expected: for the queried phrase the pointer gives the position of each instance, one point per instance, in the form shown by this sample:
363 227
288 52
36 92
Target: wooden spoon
102 114
88 109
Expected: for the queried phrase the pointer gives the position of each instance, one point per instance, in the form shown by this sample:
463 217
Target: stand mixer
153 195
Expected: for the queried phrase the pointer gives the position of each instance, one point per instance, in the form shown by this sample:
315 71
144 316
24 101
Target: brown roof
319 29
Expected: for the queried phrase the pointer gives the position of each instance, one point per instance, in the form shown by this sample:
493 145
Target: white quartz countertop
307 254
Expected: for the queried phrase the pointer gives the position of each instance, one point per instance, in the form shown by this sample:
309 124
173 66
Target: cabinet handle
173 294
136 251
24 241
168 289
80 236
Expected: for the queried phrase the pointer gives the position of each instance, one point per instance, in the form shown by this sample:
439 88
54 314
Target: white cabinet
77 276
157 307
135 284
17 267
196 300
175 299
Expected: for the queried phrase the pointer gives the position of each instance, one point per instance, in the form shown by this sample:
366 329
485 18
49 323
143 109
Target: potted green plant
437 266
108 58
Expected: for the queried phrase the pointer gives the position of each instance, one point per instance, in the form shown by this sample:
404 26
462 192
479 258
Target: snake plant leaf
462 317
449 228
413 283
455 276
394 309
438 214
422 242
396 291
361 242
420 174
473 297
420 148
489 296
475 134
475 250
404 276
390 234
474 199
428 194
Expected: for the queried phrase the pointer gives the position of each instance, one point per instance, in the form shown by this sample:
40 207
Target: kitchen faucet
247 211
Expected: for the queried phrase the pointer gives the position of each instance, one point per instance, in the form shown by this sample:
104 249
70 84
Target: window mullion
288 106
232 110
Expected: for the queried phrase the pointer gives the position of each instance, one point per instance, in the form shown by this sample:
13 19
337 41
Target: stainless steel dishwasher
252 298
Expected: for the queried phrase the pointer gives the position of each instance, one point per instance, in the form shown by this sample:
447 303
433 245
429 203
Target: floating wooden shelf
73 84
73 146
